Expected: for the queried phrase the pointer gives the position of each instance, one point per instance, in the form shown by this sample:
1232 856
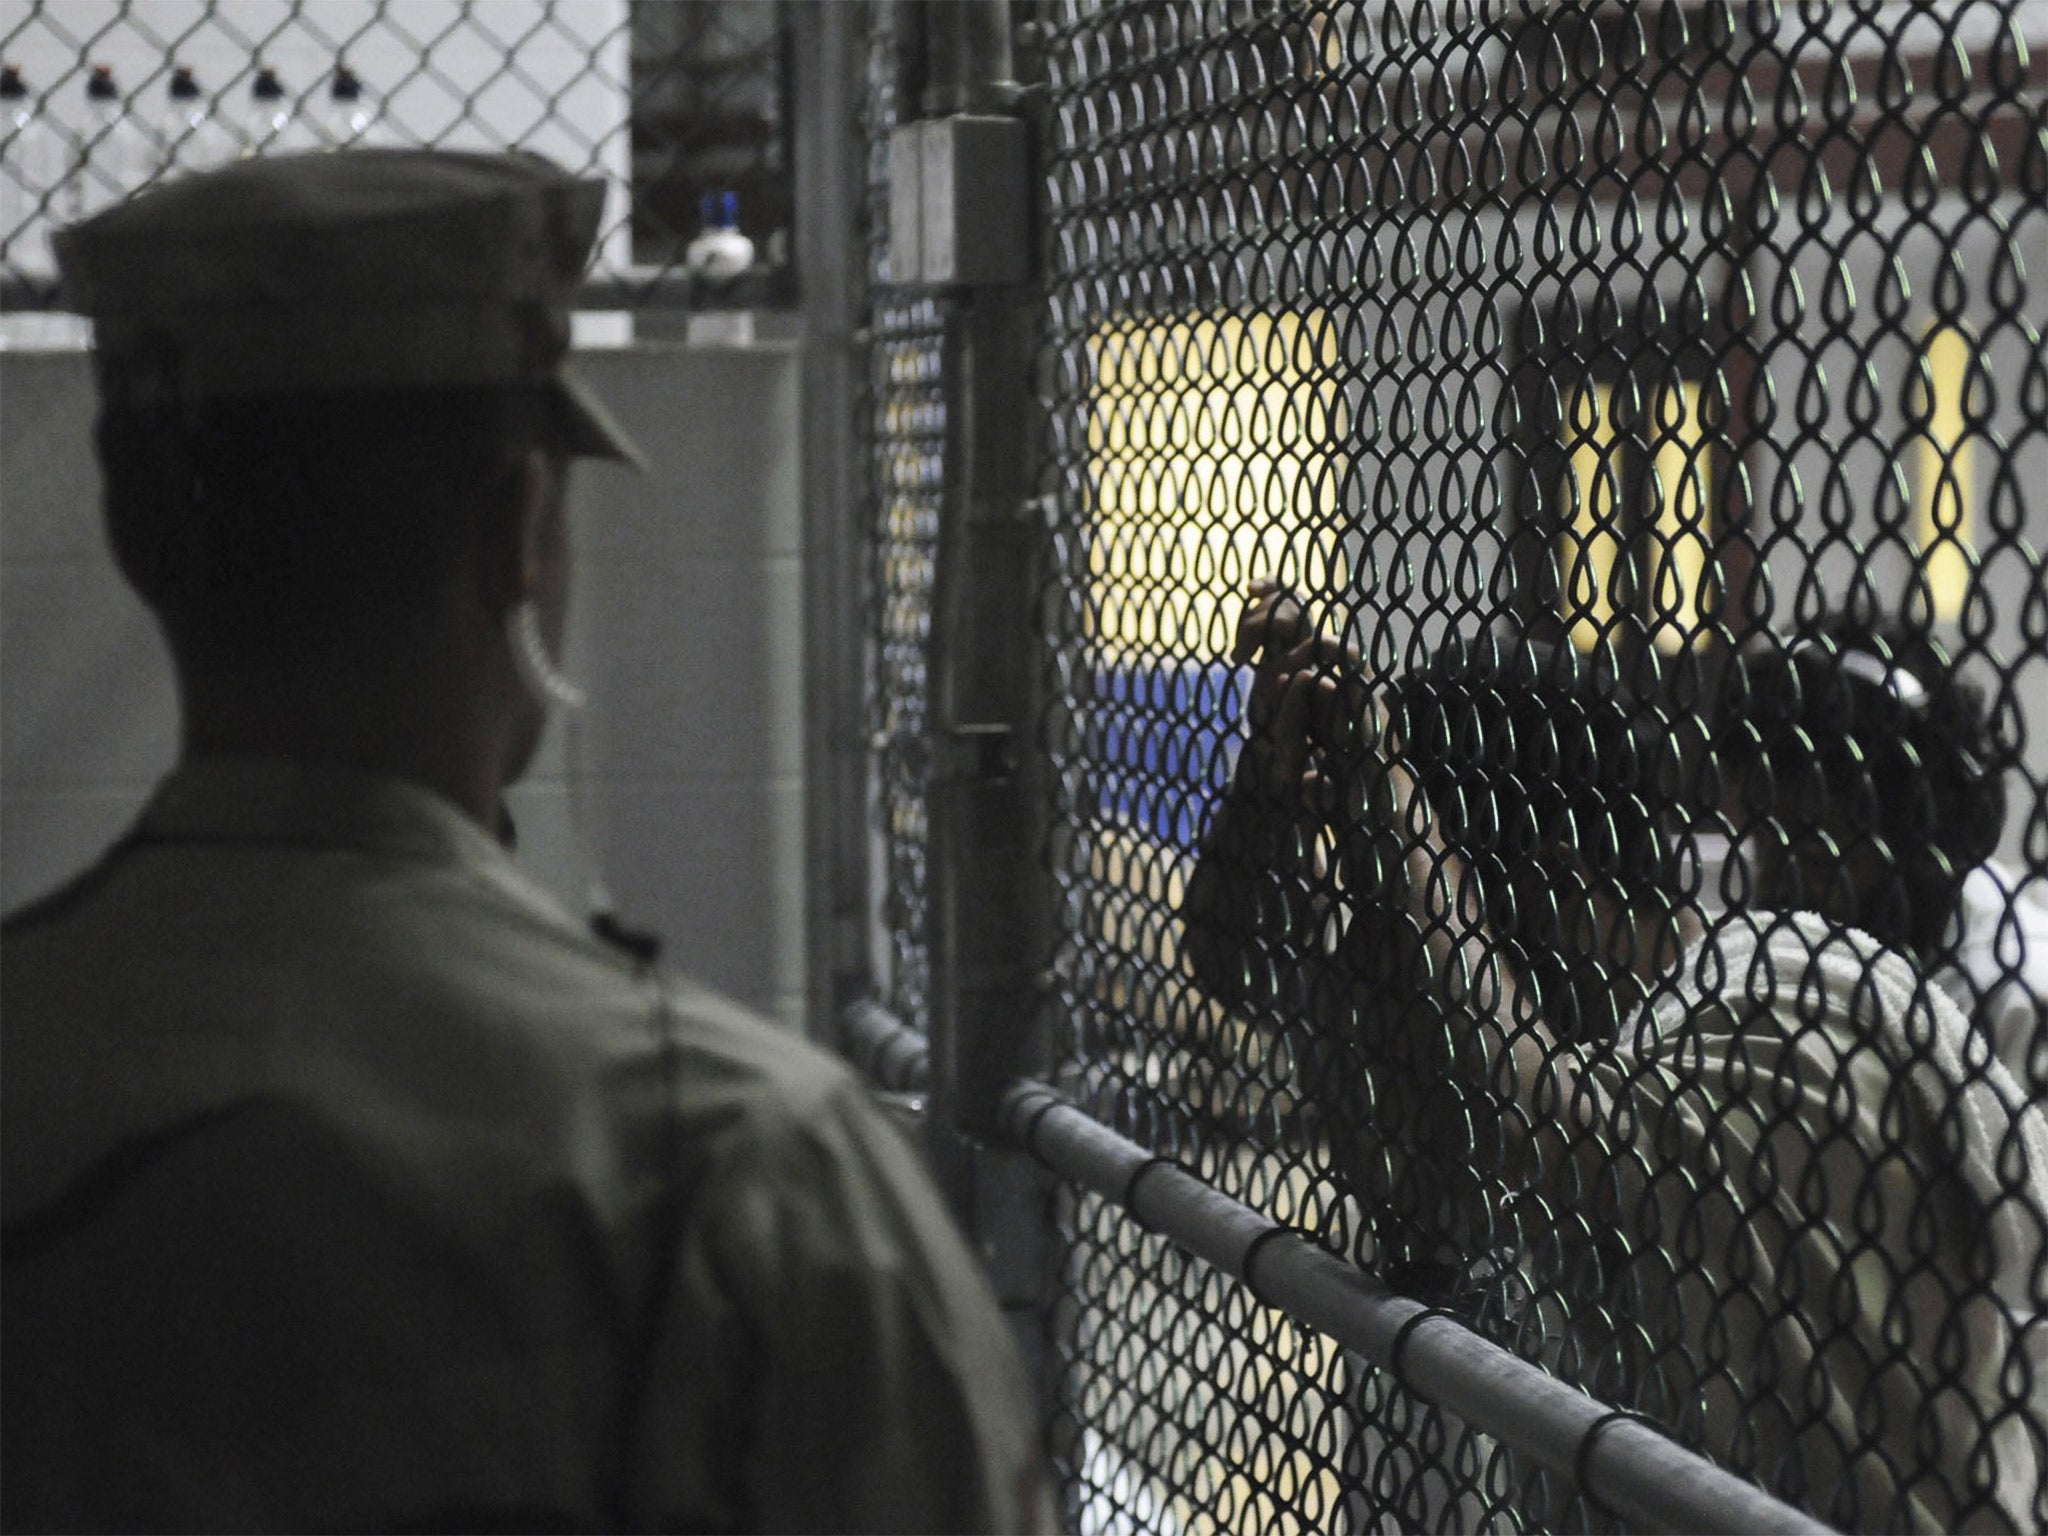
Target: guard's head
323 377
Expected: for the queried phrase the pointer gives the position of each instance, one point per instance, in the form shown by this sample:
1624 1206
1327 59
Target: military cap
355 269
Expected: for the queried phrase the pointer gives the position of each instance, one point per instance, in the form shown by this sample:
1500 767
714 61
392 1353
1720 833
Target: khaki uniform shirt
349 1183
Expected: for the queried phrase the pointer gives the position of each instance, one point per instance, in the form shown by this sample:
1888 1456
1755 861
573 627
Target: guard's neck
444 722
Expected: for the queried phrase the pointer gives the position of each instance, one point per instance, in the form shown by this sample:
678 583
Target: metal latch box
959 202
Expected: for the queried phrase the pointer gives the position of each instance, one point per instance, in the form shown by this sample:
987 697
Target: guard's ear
520 532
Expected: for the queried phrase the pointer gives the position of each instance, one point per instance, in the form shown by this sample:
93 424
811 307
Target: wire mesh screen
906 463
908 350
680 108
1549 655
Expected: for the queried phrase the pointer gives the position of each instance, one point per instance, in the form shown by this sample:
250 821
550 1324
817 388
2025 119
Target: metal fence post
826 64
988 908
989 917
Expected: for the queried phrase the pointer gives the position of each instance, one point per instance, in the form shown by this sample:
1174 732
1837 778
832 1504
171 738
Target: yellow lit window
1680 587
1589 546
1942 494
1618 521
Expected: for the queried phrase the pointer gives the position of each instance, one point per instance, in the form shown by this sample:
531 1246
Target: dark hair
1537 769
261 529
1860 735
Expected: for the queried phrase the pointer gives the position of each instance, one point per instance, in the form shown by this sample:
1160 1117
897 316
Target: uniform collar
313 805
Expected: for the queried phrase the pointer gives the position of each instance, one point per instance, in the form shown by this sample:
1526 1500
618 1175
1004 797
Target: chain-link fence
908 355
681 109
1598 886
1594 883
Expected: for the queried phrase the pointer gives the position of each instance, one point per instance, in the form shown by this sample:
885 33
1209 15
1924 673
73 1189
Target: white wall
687 628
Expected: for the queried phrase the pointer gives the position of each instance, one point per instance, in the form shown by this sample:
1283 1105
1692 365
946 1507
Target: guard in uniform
349 1182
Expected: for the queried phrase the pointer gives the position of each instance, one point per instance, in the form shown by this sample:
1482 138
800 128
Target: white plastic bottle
113 155
193 136
273 127
31 173
720 251
349 115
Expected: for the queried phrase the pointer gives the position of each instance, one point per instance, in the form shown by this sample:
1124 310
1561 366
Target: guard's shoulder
47 911
731 1055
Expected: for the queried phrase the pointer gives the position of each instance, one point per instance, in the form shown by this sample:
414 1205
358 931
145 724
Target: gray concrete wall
686 627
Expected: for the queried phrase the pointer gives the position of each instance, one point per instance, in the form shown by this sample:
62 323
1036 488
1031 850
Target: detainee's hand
1311 709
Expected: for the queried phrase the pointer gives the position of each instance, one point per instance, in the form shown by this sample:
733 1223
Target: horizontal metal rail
893 1055
1616 1459
653 290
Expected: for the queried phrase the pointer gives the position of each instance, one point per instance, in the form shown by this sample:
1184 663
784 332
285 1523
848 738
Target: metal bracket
959 202
974 754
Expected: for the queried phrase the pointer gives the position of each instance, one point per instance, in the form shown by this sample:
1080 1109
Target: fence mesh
906 479
674 106
1623 928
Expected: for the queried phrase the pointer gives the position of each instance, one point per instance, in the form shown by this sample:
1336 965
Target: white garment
2000 971
1816 1231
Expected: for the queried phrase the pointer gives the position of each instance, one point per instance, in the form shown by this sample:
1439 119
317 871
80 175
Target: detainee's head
1537 770
1856 774
333 397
